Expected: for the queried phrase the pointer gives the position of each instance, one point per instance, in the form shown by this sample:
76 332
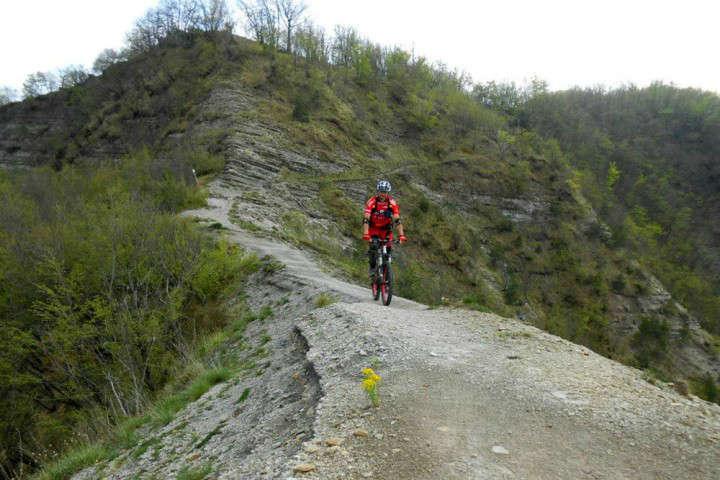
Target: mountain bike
382 280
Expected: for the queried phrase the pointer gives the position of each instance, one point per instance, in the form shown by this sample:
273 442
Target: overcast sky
566 42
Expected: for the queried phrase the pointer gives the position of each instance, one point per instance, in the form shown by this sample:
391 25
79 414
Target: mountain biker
381 211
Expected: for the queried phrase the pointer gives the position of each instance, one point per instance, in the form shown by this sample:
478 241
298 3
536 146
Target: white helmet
384 186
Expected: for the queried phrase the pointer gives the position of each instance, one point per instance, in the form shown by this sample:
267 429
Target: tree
39 83
216 16
72 75
177 21
310 43
262 19
7 95
346 45
106 58
291 12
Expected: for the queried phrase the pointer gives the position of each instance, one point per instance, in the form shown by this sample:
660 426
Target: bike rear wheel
375 287
386 288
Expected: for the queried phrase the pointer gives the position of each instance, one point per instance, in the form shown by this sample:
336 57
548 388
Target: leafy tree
72 75
263 21
105 59
7 95
291 12
39 83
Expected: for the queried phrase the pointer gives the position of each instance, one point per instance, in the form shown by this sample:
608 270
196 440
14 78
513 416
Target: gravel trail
476 396
301 265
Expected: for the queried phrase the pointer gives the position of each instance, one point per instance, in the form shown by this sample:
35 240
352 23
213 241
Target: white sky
566 42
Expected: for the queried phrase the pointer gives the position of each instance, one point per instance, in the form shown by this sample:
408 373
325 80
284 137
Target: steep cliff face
495 220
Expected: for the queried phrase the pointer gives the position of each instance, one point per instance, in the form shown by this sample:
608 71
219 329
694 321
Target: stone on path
304 468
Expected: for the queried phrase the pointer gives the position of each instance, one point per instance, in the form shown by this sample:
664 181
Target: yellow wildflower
370 384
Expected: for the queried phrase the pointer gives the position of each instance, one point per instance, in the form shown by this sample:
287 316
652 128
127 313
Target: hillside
661 144
496 217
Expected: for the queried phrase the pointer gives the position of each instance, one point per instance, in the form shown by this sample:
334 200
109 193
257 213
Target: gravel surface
475 396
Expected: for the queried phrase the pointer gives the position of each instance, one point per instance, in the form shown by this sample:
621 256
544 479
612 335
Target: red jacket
381 211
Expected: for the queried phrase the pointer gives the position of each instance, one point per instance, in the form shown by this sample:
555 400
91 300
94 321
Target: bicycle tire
387 284
375 287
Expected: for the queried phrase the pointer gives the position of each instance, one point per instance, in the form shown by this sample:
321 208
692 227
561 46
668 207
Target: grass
165 410
74 461
194 473
271 265
210 434
265 312
243 396
144 446
324 299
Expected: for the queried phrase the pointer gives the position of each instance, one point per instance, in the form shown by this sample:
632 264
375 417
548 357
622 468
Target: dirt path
475 396
300 264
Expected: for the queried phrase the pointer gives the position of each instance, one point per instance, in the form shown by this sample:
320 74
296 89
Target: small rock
360 433
366 475
311 449
499 449
333 442
304 468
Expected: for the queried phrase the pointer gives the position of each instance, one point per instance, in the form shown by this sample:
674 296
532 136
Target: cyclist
381 211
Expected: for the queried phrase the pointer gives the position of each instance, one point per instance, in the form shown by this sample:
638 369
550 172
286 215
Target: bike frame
382 282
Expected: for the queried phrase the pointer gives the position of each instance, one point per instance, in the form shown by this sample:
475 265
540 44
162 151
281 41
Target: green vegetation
244 396
323 300
647 160
194 473
104 293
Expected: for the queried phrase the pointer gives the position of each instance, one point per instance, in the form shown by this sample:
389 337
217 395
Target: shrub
651 341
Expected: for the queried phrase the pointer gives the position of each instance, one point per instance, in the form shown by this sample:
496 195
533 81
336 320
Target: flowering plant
370 385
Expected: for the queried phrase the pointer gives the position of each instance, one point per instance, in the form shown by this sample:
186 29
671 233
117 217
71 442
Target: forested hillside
557 208
649 161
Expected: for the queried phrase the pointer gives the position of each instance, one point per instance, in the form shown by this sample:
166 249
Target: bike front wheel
386 287
375 287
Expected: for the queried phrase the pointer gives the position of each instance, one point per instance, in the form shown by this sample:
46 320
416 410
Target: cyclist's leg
372 253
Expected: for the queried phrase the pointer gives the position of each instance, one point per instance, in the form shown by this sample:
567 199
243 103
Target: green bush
651 341
108 290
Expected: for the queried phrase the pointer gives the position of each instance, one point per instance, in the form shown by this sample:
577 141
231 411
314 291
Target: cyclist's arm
396 217
366 224
400 229
366 216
